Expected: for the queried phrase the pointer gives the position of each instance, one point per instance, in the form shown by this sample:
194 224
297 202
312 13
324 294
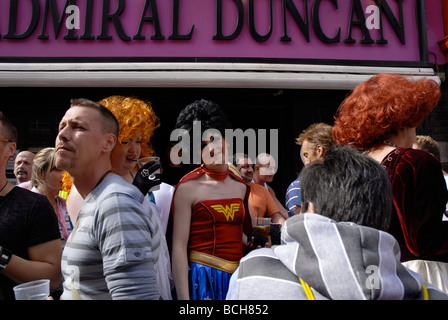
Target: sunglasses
5 140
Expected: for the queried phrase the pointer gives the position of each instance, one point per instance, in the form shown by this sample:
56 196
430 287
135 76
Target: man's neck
5 186
257 180
86 181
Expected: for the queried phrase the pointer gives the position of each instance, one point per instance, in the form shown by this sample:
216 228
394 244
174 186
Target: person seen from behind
338 248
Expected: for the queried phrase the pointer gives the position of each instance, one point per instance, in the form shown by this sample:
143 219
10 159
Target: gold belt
214 262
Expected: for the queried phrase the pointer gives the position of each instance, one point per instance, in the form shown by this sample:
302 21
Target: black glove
145 179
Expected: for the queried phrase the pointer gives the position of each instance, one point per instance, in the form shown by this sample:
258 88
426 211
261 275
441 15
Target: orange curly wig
66 182
382 105
133 115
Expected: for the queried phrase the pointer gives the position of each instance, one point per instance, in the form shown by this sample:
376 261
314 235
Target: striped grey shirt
113 252
338 260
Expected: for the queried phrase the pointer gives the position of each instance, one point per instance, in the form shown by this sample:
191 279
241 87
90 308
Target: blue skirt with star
207 283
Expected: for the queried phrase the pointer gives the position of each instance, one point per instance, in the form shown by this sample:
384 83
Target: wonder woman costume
215 244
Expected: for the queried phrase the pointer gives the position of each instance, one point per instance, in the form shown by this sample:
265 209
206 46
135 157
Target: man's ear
310 208
12 150
110 143
320 151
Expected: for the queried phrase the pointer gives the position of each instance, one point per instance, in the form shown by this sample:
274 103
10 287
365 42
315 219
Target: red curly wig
382 105
133 115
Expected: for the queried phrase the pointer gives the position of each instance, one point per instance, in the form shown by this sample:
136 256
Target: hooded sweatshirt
338 260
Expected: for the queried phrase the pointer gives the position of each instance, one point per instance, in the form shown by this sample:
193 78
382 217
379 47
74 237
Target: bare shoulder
186 187
187 193
240 186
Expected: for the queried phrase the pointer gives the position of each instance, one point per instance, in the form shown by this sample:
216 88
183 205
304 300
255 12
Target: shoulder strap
425 292
75 293
307 289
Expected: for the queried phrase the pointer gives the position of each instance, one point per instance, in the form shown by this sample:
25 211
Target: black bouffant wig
207 112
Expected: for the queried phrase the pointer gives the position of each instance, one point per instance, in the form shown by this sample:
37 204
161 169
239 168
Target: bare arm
283 211
44 263
181 234
278 218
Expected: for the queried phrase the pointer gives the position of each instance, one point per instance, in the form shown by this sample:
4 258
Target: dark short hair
237 158
10 128
108 121
348 186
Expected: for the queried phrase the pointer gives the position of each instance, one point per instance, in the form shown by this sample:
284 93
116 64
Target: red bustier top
216 226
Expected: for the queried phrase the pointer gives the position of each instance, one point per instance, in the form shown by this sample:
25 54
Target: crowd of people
365 219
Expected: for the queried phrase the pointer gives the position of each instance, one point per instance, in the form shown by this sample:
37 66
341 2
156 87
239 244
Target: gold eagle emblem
227 211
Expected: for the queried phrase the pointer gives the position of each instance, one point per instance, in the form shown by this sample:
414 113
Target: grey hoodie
338 260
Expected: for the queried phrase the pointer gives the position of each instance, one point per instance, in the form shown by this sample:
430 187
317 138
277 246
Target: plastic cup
261 228
142 161
33 290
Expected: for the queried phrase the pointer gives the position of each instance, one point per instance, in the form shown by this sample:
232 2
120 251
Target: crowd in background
365 219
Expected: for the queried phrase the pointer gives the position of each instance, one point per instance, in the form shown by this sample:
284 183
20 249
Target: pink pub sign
367 30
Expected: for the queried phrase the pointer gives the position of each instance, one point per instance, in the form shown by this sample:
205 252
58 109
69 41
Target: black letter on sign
88 25
57 22
397 26
115 19
253 31
175 35
318 28
239 26
303 25
154 19
367 39
12 32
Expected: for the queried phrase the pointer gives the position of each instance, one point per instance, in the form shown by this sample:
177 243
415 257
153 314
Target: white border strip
196 75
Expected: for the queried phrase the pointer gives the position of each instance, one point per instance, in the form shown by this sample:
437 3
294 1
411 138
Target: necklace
4 186
390 143
102 177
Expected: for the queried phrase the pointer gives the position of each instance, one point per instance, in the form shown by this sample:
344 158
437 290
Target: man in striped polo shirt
113 249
